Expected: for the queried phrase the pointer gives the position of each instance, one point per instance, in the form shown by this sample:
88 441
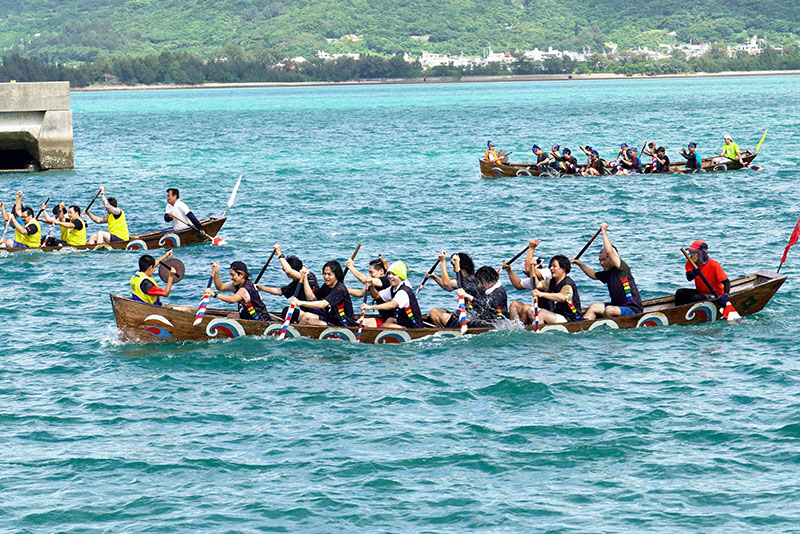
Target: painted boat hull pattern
148 241
140 322
496 170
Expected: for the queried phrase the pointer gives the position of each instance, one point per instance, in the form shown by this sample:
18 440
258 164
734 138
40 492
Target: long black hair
336 268
466 263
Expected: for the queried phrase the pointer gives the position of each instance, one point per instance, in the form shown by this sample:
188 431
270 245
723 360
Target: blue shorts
19 245
114 239
623 310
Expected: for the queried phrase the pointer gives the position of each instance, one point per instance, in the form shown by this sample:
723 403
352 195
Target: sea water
674 429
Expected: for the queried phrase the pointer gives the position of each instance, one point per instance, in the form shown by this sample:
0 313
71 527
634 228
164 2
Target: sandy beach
444 79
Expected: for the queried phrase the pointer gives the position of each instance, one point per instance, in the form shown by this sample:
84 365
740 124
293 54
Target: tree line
263 66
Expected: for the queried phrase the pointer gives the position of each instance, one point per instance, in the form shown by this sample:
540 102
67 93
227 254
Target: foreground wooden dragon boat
713 164
147 241
140 322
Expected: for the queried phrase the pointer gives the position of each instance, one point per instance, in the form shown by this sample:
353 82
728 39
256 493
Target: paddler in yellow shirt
730 151
115 217
73 229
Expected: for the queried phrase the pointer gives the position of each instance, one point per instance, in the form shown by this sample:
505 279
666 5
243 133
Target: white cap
728 136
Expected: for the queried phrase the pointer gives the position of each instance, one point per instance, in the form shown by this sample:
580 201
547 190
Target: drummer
143 287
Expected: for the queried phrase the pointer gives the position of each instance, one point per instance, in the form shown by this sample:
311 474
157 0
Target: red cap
695 246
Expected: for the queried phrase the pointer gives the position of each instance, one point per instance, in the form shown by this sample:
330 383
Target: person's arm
158 292
359 293
461 293
94 217
613 257
392 304
6 216
512 276
726 286
270 290
195 222
585 268
561 296
307 291
530 256
291 273
445 282
109 208
215 275
350 264
238 296
18 205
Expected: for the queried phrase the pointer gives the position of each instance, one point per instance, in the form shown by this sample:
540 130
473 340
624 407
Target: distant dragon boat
712 164
148 241
141 322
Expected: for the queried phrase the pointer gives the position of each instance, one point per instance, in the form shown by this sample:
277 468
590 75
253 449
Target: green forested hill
85 30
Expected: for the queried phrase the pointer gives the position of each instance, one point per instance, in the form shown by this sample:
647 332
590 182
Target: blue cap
489 143
535 148
594 153
624 145
651 144
633 149
587 147
692 145
556 147
567 151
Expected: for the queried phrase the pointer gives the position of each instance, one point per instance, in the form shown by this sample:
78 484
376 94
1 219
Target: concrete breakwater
35 126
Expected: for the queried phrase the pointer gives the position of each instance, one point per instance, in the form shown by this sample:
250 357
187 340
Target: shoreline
437 80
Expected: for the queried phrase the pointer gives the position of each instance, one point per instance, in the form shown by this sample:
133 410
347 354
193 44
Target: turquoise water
676 429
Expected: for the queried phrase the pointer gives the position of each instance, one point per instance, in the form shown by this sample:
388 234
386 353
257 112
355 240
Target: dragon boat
147 241
712 164
141 322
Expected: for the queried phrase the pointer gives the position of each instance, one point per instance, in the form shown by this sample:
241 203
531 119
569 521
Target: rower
661 161
115 217
496 304
567 163
730 152
493 156
73 228
625 297
541 159
378 284
177 211
245 295
712 271
291 265
693 162
563 303
650 150
330 302
518 309
143 287
398 299
630 162
27 232
596 166
470 289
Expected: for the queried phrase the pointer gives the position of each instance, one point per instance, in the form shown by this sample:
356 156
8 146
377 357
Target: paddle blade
235 190
201 310
730 313
218 242
462 315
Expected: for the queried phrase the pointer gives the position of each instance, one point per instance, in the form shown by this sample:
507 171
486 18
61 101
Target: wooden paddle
424 280
762 140
216 241
95 198
264 268
201 309
361 318
729 312
44 207
512 260
587 245
352 258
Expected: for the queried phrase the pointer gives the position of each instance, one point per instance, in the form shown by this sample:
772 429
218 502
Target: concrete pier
35 126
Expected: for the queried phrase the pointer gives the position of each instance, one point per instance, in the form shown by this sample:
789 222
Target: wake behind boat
141 322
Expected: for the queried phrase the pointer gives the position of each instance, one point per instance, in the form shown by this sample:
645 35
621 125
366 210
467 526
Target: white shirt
526 282
180 209
401 298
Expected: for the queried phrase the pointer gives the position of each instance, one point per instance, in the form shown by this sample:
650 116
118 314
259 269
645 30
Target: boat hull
140 322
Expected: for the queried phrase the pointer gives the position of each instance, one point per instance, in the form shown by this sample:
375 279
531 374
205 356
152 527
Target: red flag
792 240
